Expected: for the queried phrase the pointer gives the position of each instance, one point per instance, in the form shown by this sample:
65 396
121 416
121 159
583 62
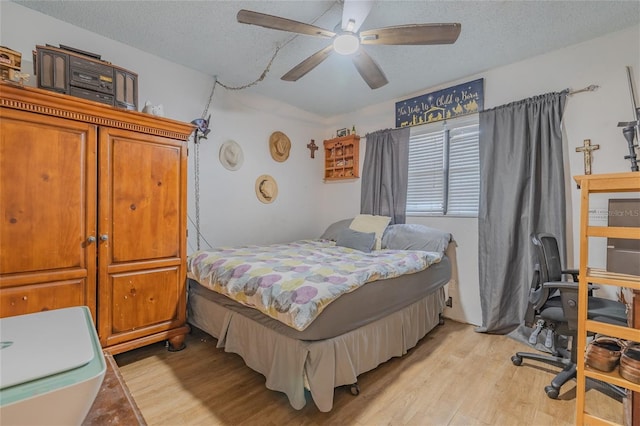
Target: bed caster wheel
552 392
516 360
354 389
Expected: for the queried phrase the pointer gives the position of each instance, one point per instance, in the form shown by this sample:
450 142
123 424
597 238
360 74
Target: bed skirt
289 365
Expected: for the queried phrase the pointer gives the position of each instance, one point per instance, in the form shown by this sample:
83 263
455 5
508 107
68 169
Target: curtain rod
591 88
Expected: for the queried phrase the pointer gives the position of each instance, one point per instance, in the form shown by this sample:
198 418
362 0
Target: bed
297 344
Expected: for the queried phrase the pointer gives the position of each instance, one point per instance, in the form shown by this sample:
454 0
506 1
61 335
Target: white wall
230 213
590 115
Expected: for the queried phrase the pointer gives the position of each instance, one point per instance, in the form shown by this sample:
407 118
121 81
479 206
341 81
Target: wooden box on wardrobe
93 212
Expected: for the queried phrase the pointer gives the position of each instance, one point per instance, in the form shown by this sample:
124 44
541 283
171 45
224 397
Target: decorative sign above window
447 103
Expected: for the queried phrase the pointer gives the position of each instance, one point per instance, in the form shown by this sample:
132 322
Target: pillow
332 232
415 237
370 223
356 240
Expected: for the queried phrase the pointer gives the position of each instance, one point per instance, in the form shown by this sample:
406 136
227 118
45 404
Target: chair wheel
552 392
354 389
516 360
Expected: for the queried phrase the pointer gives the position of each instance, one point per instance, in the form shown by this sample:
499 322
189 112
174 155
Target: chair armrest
561 284
567 285
572 272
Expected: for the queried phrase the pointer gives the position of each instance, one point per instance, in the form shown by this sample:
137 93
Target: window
444 168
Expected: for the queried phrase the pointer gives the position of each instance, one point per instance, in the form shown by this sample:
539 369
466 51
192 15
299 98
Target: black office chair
553 305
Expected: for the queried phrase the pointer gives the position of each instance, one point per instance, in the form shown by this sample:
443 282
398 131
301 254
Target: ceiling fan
347 40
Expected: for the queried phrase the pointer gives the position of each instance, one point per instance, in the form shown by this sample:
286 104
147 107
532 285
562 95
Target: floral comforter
294 282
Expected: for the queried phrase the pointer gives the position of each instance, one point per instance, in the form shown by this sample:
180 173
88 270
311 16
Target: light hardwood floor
454 376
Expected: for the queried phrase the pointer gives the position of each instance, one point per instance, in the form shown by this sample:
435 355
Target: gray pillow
332 232
415 237
362 241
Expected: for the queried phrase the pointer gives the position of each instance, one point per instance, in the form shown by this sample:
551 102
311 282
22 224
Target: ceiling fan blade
282 24
308 64
356 11
368 69
416 34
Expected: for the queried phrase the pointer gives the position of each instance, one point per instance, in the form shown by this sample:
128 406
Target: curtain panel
521 193
385 174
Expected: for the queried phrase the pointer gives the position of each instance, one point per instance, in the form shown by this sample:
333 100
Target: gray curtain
521 192
385 173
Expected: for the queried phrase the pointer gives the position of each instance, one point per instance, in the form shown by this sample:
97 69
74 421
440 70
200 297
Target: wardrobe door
48 221
142 230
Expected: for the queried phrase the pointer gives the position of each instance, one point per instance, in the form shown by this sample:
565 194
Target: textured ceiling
204 35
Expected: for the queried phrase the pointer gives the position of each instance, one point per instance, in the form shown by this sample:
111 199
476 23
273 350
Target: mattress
374 301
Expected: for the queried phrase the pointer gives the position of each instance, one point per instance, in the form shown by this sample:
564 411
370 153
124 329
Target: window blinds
444 176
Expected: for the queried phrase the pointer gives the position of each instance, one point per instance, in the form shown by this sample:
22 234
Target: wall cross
312 147
586 149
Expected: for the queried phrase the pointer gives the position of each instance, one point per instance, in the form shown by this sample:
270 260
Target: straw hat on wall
266 189
279 146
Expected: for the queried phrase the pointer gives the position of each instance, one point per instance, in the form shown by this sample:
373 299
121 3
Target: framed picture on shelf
342 132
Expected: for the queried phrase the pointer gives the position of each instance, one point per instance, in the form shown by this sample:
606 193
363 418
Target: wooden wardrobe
93 212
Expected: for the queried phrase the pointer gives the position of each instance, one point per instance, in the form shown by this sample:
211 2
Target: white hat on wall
231 155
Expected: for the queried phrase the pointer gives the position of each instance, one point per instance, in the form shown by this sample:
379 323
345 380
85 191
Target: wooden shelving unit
591 184
341 158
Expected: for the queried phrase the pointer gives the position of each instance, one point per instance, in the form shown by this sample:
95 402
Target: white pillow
369 223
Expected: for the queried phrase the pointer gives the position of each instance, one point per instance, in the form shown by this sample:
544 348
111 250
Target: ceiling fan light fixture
347 38
346 43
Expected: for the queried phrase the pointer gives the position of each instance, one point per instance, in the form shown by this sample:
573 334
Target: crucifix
586 149
312 147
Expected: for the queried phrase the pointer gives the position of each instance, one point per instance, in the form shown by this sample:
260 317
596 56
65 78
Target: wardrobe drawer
32 298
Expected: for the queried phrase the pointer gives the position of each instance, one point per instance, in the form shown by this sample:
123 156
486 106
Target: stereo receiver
84 75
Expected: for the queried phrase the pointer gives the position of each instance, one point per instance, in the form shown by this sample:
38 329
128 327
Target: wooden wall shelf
341 158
